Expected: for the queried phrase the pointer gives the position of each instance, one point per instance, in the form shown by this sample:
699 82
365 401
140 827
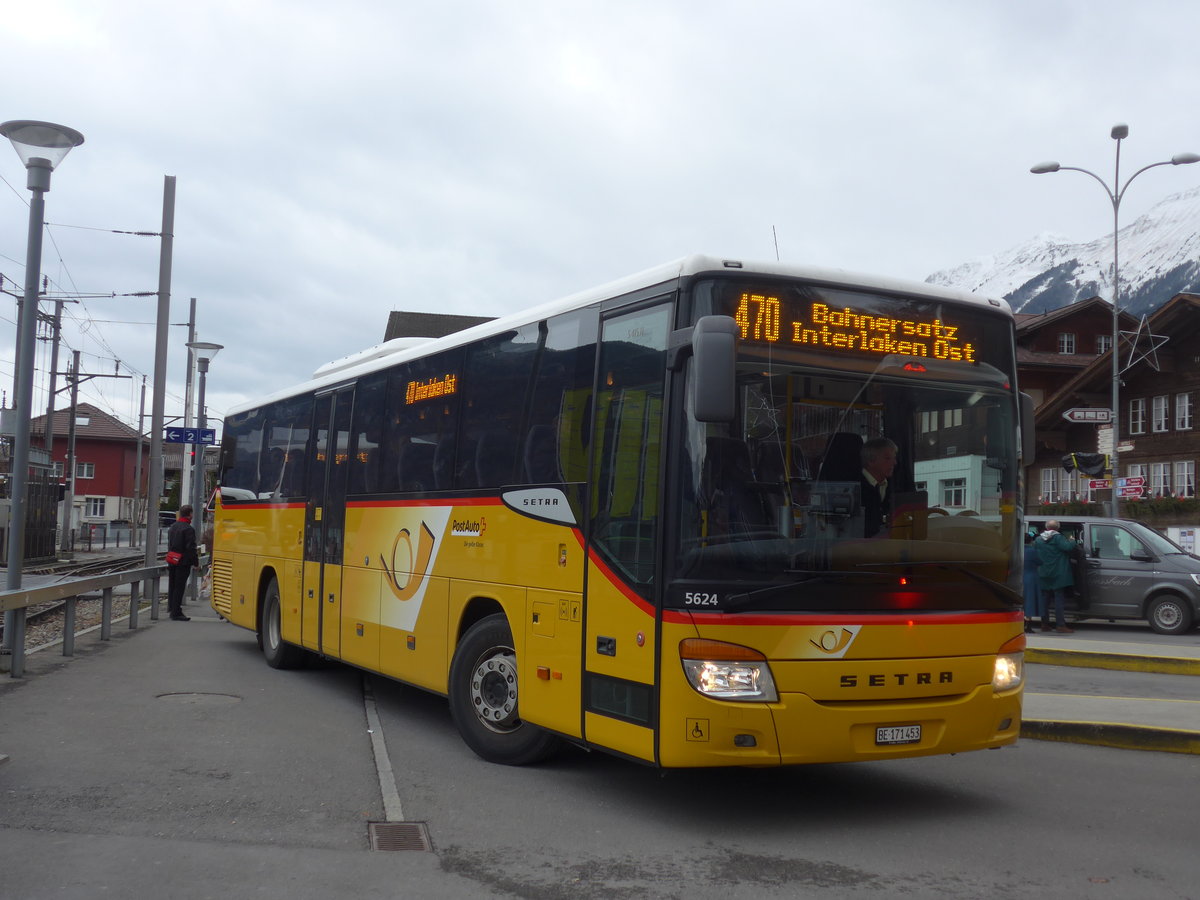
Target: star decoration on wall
1143 345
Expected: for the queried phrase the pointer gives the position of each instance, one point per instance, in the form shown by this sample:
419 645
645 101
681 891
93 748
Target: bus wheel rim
494 691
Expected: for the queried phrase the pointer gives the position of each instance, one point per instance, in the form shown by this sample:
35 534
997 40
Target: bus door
325 521
621 614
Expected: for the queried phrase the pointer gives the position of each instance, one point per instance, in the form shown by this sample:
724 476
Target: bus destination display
766 319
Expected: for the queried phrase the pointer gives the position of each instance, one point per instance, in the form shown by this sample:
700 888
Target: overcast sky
338 161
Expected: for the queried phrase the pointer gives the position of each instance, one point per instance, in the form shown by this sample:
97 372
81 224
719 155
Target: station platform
1128 722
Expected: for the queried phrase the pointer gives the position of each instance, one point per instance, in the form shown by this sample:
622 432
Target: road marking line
393 811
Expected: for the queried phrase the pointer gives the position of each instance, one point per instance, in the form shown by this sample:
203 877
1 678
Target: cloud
335 163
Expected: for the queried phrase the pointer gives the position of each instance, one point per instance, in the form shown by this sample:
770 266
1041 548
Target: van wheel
483 697
1169 615
279 655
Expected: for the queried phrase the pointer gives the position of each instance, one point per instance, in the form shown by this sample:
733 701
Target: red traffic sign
1099 484
1132 481
1089 414
1129 493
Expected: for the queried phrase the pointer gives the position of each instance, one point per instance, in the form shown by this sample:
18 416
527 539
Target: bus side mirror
1028 435
714 350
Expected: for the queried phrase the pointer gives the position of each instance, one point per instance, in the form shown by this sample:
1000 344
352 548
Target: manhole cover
193 698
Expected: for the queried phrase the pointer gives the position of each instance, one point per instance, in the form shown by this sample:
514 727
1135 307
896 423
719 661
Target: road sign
1100 484
1089 414
1130 493
1132 481
191 436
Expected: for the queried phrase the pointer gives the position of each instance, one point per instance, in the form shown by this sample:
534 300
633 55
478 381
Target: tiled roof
100 425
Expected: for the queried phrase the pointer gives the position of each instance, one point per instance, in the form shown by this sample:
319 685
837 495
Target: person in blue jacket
1033 590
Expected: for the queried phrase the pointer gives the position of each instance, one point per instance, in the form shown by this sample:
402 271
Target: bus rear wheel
483 698
279 655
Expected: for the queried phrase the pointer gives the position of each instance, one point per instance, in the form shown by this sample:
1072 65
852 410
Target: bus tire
1169 614
278 653
483 698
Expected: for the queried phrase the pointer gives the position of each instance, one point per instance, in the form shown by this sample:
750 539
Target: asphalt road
174 763
1036 820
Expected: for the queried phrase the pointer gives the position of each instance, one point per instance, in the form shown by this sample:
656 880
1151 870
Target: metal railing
69 590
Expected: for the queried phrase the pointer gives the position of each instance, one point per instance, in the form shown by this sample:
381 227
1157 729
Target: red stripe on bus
233 507
611 576
955 618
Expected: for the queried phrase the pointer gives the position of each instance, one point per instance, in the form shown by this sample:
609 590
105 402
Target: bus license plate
898 734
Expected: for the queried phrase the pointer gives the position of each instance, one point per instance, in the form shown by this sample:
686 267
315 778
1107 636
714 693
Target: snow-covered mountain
1159 256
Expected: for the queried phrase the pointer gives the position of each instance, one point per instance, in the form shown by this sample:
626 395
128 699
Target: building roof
1028 323
1173 316
91 424
427 325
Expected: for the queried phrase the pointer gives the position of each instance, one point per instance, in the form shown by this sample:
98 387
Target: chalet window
1160 413
94 508
1185 478
951 418
1160 479
1103 344
1183 412
954 492
929 422
1137 416
1138 470
85 470
1066 342
1049 485
58 468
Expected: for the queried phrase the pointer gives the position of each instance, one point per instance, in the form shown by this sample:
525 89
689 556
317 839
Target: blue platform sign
191 436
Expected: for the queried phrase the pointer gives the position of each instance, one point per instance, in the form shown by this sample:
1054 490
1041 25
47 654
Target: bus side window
423 411
559 421
367 472
496 380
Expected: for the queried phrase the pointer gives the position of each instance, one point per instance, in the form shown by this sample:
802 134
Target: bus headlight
1010 665
727 671
1010 671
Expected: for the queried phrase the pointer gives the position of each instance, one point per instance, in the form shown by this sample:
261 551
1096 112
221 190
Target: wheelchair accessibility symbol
697 729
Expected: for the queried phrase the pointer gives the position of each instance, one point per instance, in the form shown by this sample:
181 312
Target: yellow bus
638 520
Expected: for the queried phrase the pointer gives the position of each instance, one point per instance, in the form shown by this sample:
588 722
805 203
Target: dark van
1127 570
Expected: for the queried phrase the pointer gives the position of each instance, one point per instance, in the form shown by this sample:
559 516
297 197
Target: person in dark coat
878 463
1054 574
181 537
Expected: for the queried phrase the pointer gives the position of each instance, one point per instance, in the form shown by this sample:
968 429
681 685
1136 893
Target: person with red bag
181 559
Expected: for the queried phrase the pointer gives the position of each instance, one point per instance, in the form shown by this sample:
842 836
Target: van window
1113 542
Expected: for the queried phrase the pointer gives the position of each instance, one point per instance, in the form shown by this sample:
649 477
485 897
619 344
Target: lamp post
203 353
1115 193
41 146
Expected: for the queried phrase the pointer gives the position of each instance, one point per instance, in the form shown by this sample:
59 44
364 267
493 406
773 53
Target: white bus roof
400 349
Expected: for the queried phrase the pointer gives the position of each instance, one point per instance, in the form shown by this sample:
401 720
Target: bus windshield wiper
742 600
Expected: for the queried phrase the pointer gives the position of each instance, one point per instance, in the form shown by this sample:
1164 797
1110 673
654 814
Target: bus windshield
871 466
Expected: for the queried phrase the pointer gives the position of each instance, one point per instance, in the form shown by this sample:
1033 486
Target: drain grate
399 836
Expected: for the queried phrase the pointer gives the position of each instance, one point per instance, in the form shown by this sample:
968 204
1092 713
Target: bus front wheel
279 655
483 697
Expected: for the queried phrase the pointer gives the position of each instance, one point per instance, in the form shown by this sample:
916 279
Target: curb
1125 662
1113 734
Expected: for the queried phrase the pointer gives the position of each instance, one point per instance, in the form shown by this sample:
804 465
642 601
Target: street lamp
41 146
1115 193
203 353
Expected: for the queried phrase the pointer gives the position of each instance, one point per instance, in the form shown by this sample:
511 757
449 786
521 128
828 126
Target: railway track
43 619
